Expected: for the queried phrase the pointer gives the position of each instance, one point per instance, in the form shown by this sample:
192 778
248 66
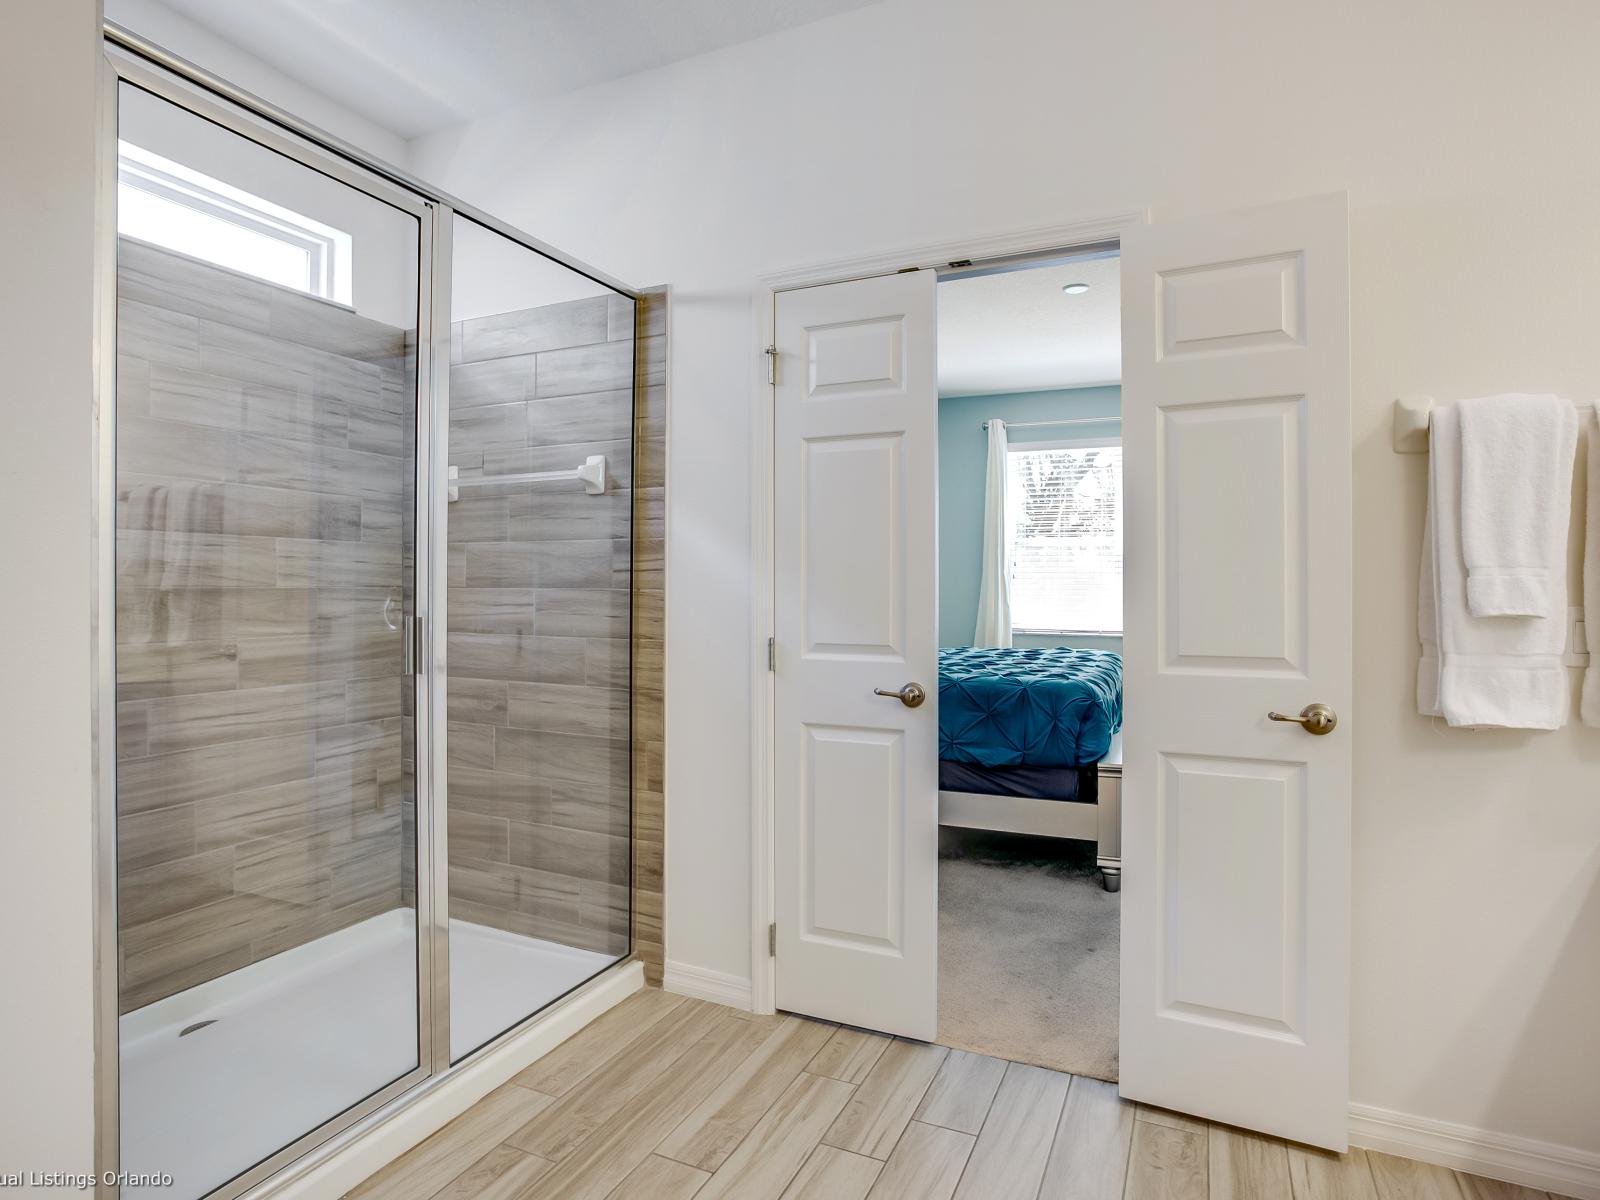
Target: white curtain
994 588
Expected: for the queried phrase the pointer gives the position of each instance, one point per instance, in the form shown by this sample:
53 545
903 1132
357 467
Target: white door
856 824
1236 828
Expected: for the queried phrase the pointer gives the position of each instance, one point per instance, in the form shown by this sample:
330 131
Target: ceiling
416 66
1018 332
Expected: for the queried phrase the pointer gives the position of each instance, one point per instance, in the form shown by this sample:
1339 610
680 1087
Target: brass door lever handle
912 695
1313 718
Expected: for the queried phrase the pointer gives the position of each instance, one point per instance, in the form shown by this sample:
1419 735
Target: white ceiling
416 66
1018 332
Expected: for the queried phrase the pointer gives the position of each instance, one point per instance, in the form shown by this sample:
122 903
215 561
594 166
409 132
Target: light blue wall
963 456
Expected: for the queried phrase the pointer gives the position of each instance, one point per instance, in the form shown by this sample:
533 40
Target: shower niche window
372 765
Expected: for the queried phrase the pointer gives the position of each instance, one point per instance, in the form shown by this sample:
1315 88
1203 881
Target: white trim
414 1119
701 983
1110 227
938 255
1564 1170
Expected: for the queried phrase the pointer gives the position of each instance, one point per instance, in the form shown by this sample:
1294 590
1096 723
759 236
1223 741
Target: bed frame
1100 822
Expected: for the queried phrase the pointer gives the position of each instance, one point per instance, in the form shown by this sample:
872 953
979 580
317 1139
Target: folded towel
1516 497
1590 707
1503 671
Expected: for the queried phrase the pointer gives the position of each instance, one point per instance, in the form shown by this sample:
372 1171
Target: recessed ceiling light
1075 289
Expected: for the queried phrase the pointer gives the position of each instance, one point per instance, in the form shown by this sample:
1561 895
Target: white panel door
1236 828
854 498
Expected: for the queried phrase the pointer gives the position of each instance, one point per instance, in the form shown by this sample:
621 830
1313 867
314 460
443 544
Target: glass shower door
266 790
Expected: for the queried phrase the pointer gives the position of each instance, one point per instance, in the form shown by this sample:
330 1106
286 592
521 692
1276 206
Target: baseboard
1564 1170
731 990
397 1129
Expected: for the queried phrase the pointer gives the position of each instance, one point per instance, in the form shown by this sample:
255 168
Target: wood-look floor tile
834 1174
505 1173
1247 1166
850 1054
1009 1160
609 1154
1089 1160
1167 1162
961 1092
777 1147
709 1134
597 1043
1323 1175
1403 1179
1476 1187
883 1103
1171 1119
558 1130
658 1178
926 1164
422 1171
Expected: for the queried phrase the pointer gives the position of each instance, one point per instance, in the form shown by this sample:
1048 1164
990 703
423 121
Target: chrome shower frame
131 59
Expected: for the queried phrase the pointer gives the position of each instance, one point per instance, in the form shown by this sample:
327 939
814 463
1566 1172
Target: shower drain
198 1025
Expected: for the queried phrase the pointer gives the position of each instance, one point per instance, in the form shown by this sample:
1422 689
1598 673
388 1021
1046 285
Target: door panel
856 820
1236 443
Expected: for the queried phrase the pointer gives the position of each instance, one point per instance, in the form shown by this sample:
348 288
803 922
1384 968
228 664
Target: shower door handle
408 634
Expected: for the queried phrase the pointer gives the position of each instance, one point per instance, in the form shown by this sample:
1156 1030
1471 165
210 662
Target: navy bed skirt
1078 784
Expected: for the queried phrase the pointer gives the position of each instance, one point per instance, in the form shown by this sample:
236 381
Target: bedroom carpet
1028 944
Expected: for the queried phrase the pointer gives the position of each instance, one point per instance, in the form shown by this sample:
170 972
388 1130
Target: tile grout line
982 1125
754 1050
1055 1134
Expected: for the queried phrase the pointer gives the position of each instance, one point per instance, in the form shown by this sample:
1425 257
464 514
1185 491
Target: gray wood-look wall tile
582 370
534 586
532 330
256 427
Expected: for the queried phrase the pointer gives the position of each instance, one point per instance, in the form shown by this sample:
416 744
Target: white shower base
303 1035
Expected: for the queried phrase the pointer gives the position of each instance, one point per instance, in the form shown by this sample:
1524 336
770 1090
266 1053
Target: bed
1029 743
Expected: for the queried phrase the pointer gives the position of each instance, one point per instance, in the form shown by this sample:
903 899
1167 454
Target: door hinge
772 364
772 940
772 654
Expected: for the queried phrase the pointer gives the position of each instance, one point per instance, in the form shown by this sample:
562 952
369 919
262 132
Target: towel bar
1411 415
592 474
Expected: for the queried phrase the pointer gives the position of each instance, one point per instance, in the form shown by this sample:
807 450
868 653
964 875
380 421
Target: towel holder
1411 416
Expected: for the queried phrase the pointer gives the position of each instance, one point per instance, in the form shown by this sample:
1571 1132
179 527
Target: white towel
1590 707
1516 498
1503 671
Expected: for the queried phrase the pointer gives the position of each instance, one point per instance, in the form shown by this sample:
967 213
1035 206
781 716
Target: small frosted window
173 206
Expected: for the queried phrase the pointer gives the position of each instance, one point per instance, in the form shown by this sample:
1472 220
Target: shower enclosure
367 566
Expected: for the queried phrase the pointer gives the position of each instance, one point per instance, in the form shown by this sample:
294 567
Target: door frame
976 248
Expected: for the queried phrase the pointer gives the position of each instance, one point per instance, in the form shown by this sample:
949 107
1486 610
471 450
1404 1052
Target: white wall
47 129
173 31
1466 133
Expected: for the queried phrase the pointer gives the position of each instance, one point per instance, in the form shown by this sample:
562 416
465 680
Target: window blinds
1064 505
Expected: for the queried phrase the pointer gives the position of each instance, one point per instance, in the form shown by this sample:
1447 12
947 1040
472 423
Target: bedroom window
173 206
1064 504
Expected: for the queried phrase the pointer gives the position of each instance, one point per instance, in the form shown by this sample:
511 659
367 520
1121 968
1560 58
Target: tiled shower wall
264 458
539 625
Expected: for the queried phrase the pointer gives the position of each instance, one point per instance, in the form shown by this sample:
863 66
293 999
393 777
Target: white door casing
854 520
1236 829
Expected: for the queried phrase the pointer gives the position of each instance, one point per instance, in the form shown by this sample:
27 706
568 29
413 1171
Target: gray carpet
1027 952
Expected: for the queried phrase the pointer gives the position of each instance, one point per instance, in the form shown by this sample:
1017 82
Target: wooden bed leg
1112 878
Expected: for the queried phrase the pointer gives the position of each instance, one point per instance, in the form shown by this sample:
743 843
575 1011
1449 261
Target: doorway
1030 660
